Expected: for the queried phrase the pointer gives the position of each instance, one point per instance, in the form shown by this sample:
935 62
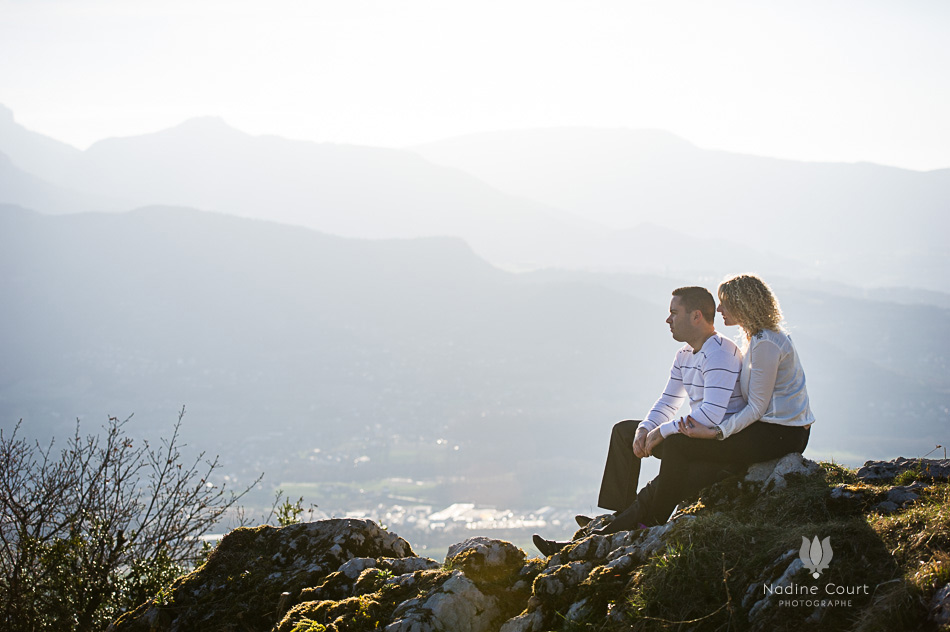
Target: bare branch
102 520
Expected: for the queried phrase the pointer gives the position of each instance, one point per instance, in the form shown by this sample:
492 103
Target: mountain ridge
673 139
345 190
861 224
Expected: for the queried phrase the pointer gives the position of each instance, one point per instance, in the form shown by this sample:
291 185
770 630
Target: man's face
680 323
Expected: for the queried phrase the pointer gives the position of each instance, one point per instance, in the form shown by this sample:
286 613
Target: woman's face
727 318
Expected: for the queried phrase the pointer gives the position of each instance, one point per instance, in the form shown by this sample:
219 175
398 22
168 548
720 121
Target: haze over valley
459 322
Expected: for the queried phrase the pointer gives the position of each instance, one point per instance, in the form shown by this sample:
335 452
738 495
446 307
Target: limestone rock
902 495
653 538
352 577
241 584
457 605
777 576
416 594
561 579
898 498
403 565
575 584
372 576
936 469
486 560
940 606
772 473
357 565
578 611
527 622
376 596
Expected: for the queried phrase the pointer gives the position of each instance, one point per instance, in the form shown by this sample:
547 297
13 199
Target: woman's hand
692 428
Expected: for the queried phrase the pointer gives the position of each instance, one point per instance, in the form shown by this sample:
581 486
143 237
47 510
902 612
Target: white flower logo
816 555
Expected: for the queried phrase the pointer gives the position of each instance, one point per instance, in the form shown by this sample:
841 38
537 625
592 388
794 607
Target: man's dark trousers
618 489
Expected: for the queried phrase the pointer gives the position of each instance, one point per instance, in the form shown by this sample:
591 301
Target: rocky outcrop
931 469
349 575
242 583
772 474
881 499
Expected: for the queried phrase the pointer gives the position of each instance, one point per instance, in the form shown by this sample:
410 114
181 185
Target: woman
772 379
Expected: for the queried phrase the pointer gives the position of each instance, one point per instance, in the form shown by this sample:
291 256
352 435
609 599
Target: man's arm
720 372
669 402
653 439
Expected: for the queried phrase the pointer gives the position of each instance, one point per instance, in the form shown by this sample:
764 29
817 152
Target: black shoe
582 521
547 547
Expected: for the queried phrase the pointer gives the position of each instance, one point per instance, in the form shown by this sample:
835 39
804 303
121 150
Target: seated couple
746 405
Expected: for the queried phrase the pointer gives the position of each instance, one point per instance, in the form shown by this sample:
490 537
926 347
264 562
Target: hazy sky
836 80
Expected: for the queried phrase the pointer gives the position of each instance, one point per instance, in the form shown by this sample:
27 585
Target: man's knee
675 440
624 430
671 446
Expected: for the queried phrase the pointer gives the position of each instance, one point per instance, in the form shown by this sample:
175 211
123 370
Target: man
706 370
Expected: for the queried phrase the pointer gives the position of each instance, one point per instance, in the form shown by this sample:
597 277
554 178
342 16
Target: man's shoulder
684 357
719 349
683 351
726 344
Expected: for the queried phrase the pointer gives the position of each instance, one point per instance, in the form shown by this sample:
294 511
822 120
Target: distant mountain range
861 223
622 200
284 337
253 323
343 190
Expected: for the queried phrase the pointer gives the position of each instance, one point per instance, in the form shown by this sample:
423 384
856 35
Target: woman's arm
764 371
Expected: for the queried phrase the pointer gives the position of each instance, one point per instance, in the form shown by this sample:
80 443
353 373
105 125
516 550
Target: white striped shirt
709 377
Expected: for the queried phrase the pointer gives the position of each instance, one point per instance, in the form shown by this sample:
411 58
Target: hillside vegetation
732 560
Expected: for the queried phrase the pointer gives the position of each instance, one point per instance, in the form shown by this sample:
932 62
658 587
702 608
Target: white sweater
708 377
773 384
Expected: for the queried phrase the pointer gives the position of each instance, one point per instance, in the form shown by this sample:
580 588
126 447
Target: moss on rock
486 561
365 611
240 585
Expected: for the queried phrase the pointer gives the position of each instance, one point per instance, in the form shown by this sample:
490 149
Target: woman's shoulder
777 337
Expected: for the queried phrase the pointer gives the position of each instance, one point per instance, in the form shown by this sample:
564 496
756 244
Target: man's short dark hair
694 298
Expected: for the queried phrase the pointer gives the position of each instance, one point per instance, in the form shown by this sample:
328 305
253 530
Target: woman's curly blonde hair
751 302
